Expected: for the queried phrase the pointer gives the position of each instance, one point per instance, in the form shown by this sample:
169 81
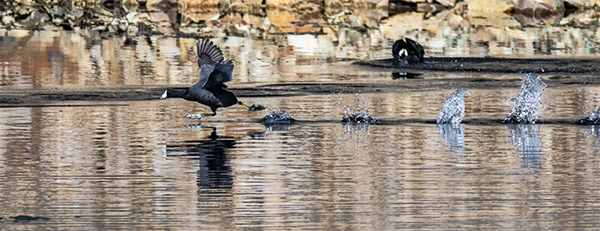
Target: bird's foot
195 116
253 107
256 108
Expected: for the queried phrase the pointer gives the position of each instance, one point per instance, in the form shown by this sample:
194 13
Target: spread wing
208 53
416 47
213 69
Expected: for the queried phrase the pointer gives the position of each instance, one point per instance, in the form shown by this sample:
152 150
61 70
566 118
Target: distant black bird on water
407 51
210 90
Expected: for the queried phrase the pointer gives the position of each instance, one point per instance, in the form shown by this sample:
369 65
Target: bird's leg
243 105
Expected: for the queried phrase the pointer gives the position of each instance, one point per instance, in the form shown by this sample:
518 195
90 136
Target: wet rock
336 4
491 14
280 3
454 21
8 20
288 21
429 7
397 26
307 7
158 16
132 5
198 14
232 19
371 3
537 9
582 17
27 2
256 21
533 13
490 5
34 19
202 3
253 2
369 17
447 3
239 7
582 3
158 5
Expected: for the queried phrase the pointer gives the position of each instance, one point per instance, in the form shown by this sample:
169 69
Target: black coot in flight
408 51
210 90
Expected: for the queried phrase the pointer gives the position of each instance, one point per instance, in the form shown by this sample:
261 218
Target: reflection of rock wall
277 44
48 58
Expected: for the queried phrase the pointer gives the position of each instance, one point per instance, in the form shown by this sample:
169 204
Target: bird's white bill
403 53
164 95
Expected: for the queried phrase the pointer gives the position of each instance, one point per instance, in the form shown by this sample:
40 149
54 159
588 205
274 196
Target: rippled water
138 164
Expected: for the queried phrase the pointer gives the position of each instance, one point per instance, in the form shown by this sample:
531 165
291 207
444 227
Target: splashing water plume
277 117
357 115
524 108
453 110
593 119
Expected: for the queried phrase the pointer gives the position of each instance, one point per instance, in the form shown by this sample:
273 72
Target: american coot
210 90
408 51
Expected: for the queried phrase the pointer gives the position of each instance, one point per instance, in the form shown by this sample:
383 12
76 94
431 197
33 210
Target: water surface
123 164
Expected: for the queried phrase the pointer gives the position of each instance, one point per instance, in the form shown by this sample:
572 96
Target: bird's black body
210 90
408 51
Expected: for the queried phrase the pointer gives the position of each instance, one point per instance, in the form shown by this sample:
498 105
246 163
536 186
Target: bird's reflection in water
406 75
358 128
214 171
525 136
277 127
454 136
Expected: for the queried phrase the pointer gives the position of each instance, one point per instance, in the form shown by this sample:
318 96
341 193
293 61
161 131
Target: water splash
524 108
593 119
357 115
453 110
277 117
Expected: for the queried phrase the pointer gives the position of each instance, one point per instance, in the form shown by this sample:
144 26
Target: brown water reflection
75 58
139 166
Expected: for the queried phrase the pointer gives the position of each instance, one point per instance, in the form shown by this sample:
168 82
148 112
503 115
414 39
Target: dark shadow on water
27 218
491 64
213 172
406 75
